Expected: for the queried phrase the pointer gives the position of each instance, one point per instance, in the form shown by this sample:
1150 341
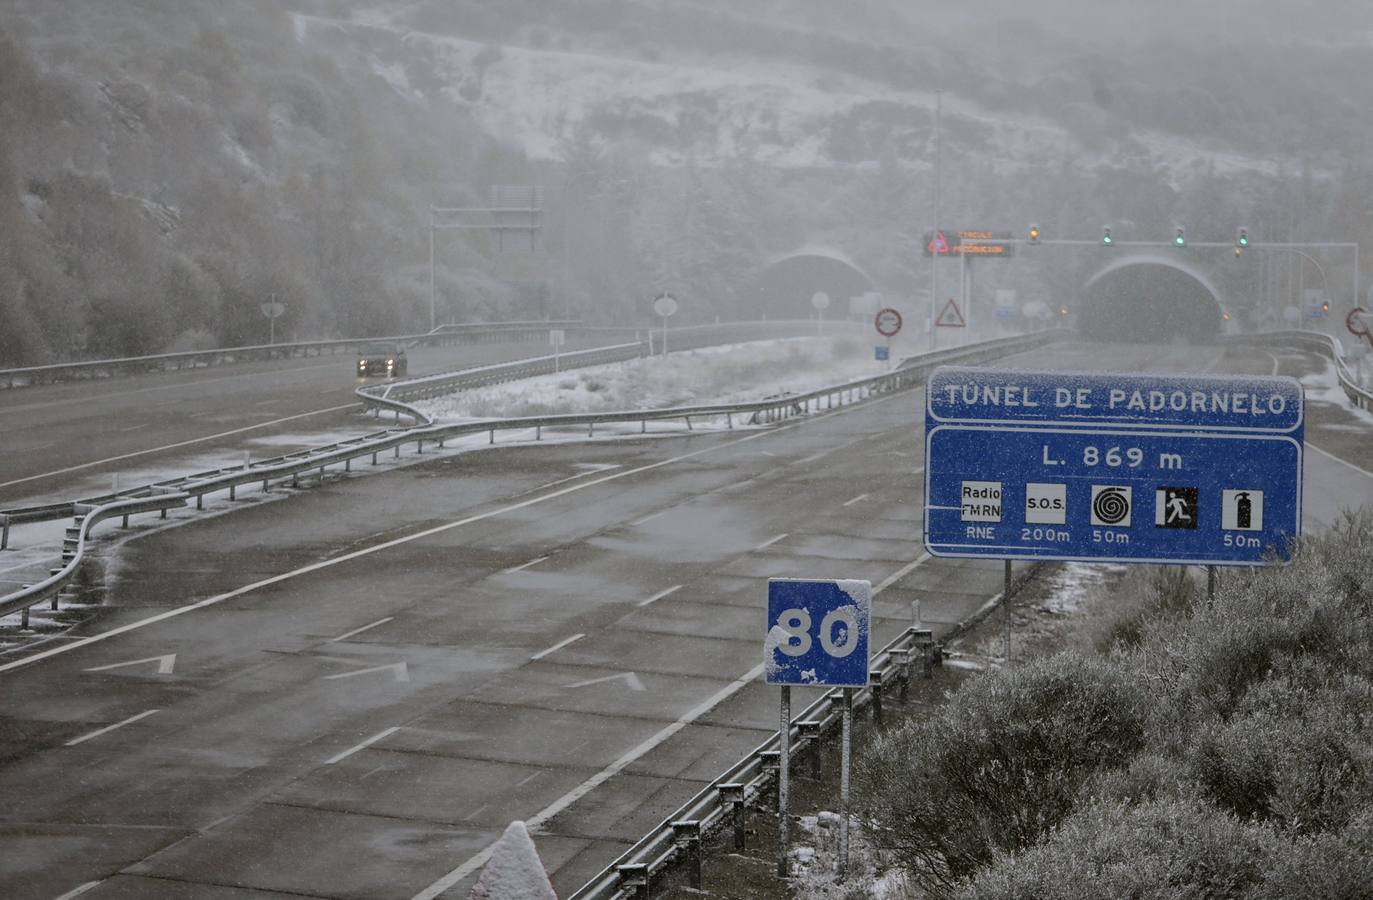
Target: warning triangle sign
950 316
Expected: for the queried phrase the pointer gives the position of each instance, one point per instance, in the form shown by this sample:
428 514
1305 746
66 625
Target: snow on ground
1324 387
734 373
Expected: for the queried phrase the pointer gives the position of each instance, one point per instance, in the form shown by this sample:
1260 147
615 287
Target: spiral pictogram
1111 505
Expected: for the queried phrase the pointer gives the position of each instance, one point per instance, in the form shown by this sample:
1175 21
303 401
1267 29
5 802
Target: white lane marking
78 891
399 670
135 427
525 781
630 679
648 518
108 728
630 756
813 457
348 634
899 574
558 646
523 566
430 532
1344 462
363 746
199 440
860 498
772 540
1276 365
660 595
165 664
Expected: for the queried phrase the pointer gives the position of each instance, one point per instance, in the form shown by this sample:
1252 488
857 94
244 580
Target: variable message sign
1112 466
817 632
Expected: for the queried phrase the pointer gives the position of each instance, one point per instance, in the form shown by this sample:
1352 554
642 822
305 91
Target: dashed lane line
558 646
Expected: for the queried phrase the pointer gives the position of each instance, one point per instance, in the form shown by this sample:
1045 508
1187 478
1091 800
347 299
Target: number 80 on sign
817 632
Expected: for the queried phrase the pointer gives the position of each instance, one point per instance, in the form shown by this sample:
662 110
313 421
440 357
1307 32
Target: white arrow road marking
94 734
630 679
164 664
402 673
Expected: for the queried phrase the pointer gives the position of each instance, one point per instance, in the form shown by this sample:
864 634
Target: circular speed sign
888 322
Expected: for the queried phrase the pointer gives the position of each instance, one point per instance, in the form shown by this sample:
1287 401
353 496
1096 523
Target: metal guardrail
444 334
74 545
1322 343
344 453
678 837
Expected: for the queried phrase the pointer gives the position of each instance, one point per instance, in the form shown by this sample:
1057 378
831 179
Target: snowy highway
56 433
351 692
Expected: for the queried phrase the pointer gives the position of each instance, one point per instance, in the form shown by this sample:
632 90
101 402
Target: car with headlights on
381 359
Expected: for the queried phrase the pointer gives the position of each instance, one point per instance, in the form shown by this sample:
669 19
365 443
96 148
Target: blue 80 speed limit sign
817 632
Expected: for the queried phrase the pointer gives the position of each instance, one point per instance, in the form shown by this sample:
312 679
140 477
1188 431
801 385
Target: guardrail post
590 429
493 436
348 464
924 641
810 732
901 658
374 457
396 454
231 492
729 421
875 679
24 618
688 421
419 447
687 835
124 522
637 877
4 532
199 501
732 793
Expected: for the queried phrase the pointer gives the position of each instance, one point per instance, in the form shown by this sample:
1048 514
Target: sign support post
784 786
845 754
818 636
1006 611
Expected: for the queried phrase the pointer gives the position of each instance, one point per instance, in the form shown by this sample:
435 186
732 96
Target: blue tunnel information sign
1112 466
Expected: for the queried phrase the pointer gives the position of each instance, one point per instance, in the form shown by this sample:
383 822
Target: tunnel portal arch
783 288
1150 299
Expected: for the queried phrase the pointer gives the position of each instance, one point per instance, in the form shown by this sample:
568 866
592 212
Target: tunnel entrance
1150 300
783 289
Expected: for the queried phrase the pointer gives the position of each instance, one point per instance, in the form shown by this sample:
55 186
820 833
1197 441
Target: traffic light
1241 238
1106 236
1180 237
1325 307
1063 310
1034 234
1238 252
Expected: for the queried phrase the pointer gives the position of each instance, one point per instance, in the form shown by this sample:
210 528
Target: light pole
934 255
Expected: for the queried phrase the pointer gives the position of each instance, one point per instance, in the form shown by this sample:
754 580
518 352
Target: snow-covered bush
997 767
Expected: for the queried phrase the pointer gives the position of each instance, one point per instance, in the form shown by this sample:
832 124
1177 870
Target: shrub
997 767
1298 752
1157 851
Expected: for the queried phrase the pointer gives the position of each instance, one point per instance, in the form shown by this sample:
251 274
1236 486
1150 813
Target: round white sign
888 322
273 309
820 300
665 305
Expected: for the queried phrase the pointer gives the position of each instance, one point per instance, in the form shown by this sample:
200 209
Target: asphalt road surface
53 434
349 692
